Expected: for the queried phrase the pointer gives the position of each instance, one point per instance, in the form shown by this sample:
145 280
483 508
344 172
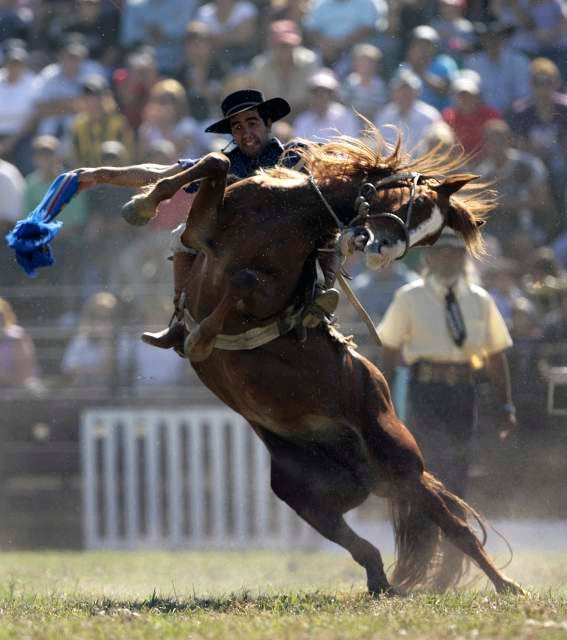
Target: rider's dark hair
265 119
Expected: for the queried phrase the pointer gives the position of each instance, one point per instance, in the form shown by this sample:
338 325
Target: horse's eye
420 201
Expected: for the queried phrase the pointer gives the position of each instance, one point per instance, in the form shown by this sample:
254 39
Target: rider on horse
248 117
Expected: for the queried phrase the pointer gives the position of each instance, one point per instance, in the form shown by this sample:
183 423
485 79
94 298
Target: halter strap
398 177
414 182
409 175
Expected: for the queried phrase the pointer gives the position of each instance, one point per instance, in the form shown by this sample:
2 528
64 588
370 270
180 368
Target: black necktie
454 317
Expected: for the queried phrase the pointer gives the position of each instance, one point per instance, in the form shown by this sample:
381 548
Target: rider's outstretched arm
135 176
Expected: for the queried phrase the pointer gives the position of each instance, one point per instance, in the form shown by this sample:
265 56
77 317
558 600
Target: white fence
179 479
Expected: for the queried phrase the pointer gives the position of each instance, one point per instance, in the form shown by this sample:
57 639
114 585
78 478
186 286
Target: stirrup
328 300
322 308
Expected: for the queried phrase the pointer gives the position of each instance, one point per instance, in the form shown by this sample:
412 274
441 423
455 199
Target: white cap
406 77
466 84
425 32
324 79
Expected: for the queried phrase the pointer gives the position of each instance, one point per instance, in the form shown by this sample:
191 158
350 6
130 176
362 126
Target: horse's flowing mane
345 158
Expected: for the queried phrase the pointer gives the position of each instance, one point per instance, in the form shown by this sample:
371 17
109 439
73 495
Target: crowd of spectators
116 82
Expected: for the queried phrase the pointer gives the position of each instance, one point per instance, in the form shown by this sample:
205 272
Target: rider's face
250 132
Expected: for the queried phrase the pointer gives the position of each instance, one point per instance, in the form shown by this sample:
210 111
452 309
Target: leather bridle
367 193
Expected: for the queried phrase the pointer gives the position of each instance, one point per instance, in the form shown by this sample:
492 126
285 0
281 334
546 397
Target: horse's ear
452 184
456 216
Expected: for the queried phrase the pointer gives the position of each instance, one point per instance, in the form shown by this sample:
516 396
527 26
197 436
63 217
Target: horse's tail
424 557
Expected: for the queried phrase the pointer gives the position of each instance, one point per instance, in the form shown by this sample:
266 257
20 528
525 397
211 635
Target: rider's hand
87 178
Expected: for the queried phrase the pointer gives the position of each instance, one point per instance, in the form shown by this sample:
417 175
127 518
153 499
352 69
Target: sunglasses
542 81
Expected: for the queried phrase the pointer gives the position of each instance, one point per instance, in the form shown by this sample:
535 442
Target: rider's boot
325 298
174 335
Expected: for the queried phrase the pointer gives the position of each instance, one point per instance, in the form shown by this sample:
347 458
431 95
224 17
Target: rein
324 200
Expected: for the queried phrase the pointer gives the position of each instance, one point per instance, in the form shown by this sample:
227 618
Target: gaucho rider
248 118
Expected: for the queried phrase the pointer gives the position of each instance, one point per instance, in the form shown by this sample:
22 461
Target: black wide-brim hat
244 100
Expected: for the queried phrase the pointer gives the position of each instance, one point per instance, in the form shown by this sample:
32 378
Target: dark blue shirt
243 166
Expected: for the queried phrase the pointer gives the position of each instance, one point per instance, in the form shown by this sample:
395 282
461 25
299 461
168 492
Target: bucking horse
322 409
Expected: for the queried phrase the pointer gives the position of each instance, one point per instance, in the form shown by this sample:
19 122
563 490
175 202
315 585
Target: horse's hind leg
333 527
438 503
319 510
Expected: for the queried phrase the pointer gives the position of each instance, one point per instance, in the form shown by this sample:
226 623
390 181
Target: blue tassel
30 237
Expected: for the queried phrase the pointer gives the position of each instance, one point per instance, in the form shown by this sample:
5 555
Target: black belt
448 373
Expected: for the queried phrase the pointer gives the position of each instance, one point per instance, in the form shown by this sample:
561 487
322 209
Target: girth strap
253 338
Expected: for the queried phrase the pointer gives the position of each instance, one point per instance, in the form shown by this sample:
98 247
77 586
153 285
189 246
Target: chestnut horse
322 409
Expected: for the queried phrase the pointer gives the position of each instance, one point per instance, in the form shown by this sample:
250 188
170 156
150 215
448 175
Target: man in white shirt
525 200
335 26
326 117
159 24
233 25
406 112
505 73
18 90
286 67
11 209
60 85
12 189
445 329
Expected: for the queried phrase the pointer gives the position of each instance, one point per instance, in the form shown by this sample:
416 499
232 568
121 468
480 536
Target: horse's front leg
212 170
200 342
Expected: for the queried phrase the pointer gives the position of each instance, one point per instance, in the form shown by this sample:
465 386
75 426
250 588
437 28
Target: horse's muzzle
355 239
382 251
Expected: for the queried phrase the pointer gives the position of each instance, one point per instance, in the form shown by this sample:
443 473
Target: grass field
257 596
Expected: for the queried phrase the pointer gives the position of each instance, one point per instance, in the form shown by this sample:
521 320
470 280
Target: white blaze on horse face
427 228
380 254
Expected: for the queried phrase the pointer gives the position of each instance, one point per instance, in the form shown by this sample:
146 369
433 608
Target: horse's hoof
387 591
511 587
394 592
137 211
